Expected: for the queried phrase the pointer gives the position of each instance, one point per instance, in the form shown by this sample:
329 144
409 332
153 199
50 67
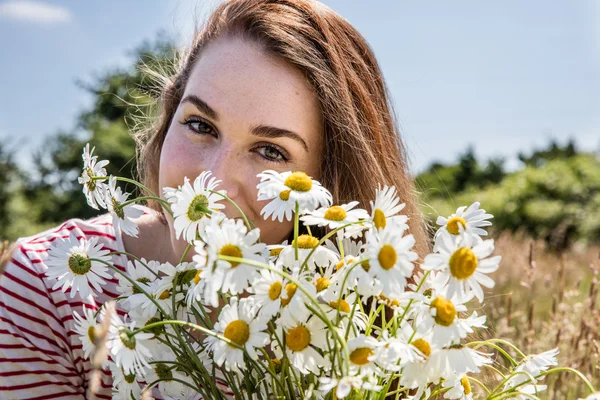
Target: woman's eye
198 126
271 153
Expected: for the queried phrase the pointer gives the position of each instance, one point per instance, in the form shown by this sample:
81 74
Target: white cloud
34 11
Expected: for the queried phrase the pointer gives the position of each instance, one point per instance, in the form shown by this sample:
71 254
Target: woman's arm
36 355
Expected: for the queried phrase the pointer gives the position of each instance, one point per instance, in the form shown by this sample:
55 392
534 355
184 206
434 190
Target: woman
266 84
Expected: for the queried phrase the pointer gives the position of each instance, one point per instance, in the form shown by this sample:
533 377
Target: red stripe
24 346
70 228
34 319
35 384
39 372
51 396
29 302
23 283
32 333
34 359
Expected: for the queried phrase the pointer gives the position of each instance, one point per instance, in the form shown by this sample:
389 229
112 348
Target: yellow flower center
322 283
389 302
423 346
198 208
387 257
379 219
290 290
365 265
464 381
335 213
127 338
463 263
92 334
452 225
130 378
298 181
79 263
285 195
238 332
163 371
306 242
361 355
165 295
341 305
445 311
231 250
298 338
134 289
197 276
275 290
275 252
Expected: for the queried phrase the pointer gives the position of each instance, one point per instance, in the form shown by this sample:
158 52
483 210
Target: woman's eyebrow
201 105
273 132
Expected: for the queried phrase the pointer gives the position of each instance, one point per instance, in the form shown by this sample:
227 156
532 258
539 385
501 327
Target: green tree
121 98
10 178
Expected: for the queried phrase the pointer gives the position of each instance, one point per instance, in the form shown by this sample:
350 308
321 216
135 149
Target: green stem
249 224
135 258
185 253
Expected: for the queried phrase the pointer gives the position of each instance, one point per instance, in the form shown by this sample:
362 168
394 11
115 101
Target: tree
121 97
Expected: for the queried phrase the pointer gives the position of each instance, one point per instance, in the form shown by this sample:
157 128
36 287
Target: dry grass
542 300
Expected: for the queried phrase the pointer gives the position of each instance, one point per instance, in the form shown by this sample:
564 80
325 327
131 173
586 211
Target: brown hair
362 141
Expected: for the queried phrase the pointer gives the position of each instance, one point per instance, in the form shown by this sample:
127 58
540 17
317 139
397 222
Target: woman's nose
225 165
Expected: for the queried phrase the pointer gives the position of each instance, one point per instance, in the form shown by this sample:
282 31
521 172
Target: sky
502 77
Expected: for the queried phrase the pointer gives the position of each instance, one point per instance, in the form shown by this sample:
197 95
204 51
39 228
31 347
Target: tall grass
544 299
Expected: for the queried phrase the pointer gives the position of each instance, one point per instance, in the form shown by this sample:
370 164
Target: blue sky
501 76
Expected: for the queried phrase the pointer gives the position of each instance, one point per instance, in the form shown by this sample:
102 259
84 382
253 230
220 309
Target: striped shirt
41 355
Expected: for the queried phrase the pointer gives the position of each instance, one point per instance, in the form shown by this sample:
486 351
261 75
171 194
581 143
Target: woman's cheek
179 158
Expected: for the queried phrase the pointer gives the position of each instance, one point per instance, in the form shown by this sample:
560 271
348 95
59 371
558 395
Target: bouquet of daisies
350 314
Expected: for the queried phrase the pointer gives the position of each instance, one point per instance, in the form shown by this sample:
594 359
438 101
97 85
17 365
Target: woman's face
242 112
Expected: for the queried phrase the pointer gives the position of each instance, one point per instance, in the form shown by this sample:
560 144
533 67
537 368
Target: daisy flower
415 372
267 293
440 316
294 300
386 206
303 340
394 352
335 216
69 261
320 257
192 205
168 373
125 386
127 350
456 360
470 221
85 326
339 310
231 238
239 323
161 289
287 188
122 216
533 365
460 388
390 258
143 277
93 189
343 386
463 266
363 355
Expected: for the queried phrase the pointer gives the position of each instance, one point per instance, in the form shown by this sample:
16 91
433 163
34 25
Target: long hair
362 144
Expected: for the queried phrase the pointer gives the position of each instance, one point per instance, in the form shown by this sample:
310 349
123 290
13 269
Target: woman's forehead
240 82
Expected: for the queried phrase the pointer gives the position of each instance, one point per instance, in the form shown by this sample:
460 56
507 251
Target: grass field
543 300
